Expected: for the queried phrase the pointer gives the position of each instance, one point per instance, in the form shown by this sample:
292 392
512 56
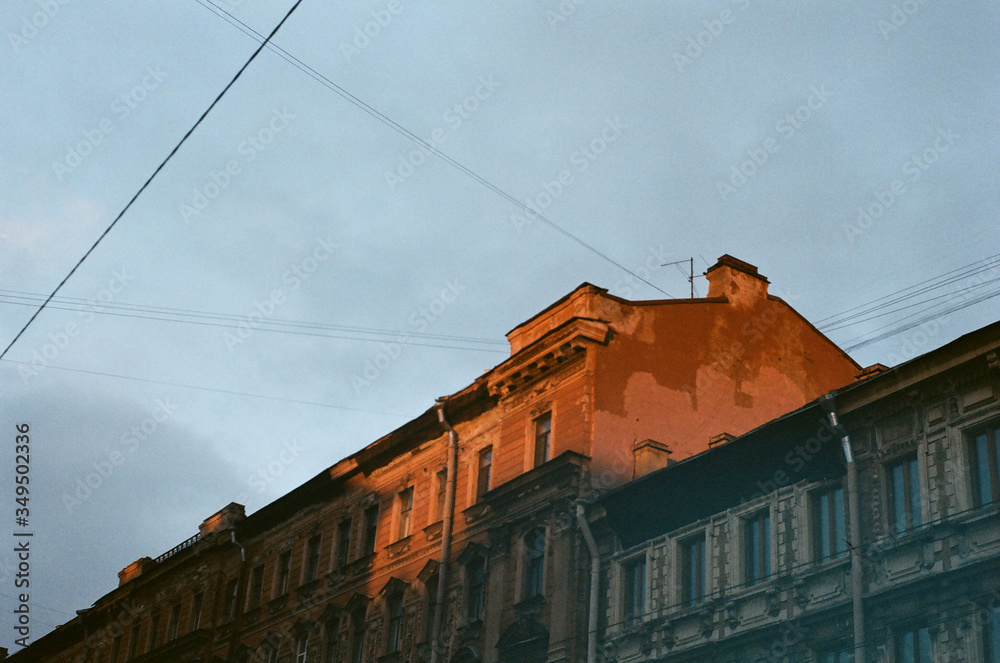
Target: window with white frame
301 649
757 547
913 646
829 523
984 461
693 572
634 590
405 514
904 494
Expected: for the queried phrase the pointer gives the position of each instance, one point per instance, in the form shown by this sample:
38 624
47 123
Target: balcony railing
179 547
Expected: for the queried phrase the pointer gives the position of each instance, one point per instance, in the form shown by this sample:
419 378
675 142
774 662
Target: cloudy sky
302 277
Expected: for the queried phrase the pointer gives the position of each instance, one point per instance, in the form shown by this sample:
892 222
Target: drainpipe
243 551
595 579
446 527
828 405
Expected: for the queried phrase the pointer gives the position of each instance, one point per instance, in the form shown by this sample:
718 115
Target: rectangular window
914 646
543 438
312 559
231 588
635 591
991 637
343 543
405 513
371 530
256 587
475 573
534 563
358 635
485 469
283 572
904 494
985 461
840 655
757 553
432 589
154 628
133 643
442 487
829 524
196 604
301 649
116 649
331 649
693 570
395 606
174 624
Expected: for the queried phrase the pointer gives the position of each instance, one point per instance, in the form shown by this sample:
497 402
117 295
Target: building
456 536
746 552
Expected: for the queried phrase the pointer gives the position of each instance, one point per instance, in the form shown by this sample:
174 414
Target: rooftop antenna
690 277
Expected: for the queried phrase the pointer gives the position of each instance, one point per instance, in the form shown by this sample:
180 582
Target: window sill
399 547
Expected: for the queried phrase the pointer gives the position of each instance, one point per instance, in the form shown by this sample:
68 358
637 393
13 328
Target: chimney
737 281
650 456
134 570
222 520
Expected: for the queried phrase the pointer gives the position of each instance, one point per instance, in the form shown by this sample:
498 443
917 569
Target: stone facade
925 436
345 567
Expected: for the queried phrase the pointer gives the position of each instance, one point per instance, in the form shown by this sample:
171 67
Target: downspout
446 528
828 405
243 551
240 582
595 579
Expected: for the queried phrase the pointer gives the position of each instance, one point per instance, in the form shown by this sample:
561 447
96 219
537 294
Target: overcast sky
651 132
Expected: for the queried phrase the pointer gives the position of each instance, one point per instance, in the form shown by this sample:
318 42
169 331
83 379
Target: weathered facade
745 552
347 567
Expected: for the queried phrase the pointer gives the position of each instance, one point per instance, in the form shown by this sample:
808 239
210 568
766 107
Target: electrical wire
409 135
151 177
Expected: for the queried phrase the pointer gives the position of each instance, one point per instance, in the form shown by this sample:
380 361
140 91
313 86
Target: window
133 643
301 649
839 655
991 637
256 587
904 495
174 624
475 575
357 635
985 461
312 559
405 513
914 646
343 542
283 572
757 553
543 438
371 530
442 487
693 570
395 605
829 525
485 469
331 646
231 588
534 563
116 649
634 597
432 591
154 628
272 654
196 604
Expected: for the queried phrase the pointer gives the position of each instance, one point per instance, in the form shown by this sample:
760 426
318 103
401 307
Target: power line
155 172
409 135
212 389
273 325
